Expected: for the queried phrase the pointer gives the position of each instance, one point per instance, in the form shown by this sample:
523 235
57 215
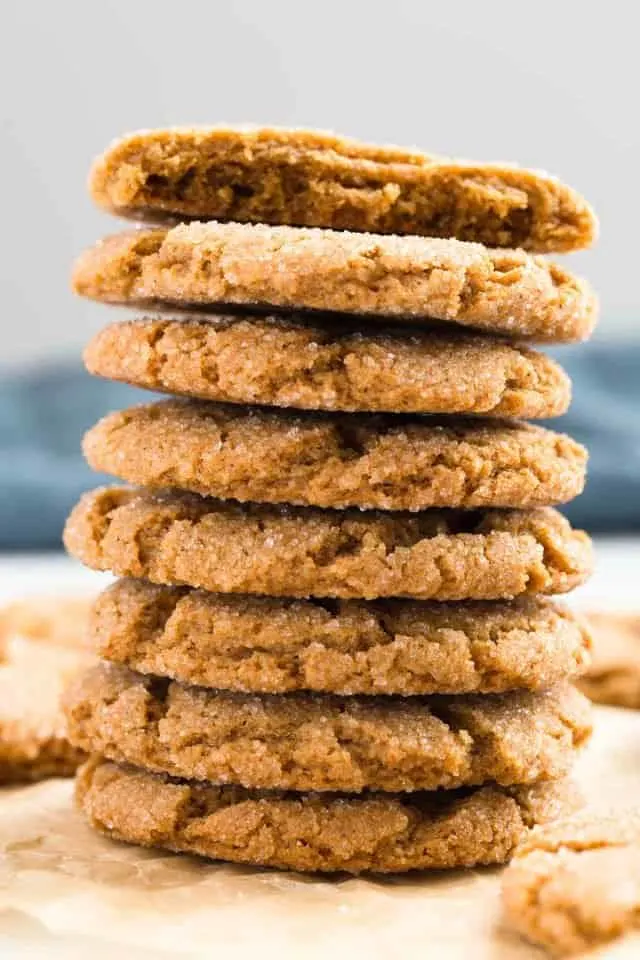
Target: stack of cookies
331 647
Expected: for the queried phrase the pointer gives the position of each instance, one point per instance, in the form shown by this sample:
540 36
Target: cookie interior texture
320 365
308 178
317 832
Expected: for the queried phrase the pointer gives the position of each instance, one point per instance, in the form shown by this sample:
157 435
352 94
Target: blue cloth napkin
44 413
605 417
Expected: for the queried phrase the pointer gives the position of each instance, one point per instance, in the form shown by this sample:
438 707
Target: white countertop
26 574
615 584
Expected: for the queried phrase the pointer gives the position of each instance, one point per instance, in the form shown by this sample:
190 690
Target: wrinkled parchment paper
67 892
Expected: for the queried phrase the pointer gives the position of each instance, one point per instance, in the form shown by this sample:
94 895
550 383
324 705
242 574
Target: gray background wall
550 84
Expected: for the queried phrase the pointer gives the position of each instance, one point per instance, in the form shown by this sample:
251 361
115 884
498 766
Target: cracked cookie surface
300 552
317 832
267 645
575 884
411 279
295 362
332 460
310 178
314 742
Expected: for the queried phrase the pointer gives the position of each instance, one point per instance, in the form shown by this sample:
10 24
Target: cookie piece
576 883
286 362
613 675
382 833
410 279
313 742
300 552
54 621
333 460
42 647
266 645
314 179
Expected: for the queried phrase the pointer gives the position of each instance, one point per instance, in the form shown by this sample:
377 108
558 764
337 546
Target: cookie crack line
314 179
291 362
313 742
232 548
275 646
315 832
328 460
407 279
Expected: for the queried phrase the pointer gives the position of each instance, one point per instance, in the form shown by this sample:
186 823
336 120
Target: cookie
411 279
575 884
315 179
333 460
286 362
299 552
613 675
42 647
54 621
313 742
266 645
383 833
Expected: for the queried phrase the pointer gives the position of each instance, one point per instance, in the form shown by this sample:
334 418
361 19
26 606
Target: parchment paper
65 891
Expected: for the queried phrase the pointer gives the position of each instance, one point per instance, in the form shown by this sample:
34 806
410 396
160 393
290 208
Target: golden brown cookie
575 884
291 362
613 675
267 645
42 646
383 833
299 552
55 621
314 742
315 179
337 460
410 279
